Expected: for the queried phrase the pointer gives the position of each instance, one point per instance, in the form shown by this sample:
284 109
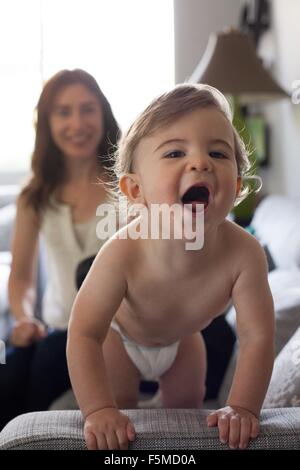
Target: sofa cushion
287 322
276 223
284 389
162 429
285 289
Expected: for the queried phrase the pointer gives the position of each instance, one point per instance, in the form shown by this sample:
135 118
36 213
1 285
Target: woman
75 134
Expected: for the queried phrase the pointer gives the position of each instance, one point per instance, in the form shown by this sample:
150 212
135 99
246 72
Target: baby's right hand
108 429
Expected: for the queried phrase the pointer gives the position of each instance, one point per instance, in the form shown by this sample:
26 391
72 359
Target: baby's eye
216 154
174 154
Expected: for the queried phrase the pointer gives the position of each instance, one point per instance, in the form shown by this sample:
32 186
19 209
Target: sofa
276 224
156 429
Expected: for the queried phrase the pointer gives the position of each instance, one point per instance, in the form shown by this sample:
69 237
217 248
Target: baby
143 305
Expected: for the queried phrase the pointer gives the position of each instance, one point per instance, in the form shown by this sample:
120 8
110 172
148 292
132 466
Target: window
127 45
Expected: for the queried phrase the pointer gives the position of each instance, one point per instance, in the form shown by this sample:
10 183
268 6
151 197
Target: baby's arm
252 299
93 310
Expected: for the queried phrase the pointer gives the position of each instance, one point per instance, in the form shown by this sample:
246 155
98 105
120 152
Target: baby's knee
201 396
194 401
126 401
195 397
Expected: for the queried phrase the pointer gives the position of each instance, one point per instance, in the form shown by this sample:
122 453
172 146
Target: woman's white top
66 245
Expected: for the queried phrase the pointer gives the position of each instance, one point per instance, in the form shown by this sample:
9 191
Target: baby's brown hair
166 109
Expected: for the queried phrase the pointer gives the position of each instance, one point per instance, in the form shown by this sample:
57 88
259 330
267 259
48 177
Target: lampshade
230 64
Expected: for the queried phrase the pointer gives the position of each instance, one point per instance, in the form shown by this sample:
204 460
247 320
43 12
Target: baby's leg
183 385
123 375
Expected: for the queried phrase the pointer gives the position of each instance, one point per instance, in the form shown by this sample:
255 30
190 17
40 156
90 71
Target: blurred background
127 45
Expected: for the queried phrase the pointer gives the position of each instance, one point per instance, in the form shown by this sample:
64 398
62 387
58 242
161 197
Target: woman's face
76 122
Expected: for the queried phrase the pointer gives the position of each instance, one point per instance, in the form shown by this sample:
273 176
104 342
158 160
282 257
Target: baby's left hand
236 425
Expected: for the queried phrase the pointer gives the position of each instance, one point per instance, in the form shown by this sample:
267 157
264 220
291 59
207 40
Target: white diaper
152 362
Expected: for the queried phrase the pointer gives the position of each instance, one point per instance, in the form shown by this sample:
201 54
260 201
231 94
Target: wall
284 172
196 19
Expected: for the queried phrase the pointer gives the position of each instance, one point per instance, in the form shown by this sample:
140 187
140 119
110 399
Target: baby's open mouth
196 195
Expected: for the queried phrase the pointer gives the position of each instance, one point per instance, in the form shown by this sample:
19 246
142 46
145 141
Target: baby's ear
130 186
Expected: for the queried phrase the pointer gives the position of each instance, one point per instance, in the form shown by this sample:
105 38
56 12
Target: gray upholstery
157 429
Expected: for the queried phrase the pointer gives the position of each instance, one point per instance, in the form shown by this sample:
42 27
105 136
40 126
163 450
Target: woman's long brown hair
47 162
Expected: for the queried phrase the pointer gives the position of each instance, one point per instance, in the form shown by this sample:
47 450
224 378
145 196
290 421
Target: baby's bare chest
195 301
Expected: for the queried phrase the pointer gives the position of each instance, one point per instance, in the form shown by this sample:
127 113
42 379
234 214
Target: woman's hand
27 331
236 425
108 429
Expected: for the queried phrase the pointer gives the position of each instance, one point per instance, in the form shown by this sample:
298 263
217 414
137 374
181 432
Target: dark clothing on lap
33 377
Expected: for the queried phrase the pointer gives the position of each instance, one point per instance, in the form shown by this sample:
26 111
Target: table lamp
230 63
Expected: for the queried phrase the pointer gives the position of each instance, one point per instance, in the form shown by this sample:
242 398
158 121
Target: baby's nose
200 163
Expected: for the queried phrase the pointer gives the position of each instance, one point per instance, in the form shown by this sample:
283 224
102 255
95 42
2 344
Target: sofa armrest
156 429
